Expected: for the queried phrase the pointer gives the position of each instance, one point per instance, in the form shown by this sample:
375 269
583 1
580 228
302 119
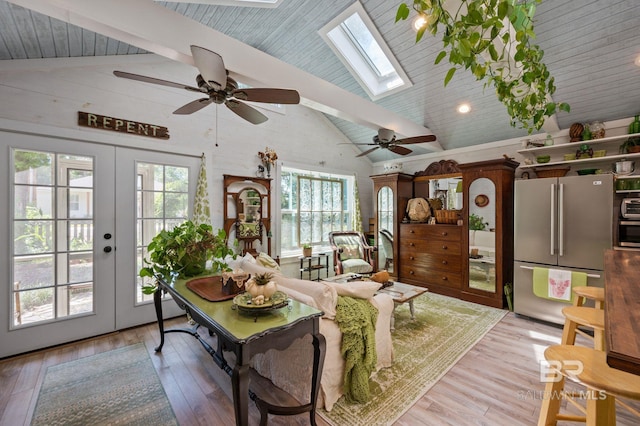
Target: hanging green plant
492 39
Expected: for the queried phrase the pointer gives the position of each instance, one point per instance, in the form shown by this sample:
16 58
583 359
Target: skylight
356 41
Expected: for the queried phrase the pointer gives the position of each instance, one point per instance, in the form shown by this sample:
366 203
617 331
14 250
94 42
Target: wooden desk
622 309
246 335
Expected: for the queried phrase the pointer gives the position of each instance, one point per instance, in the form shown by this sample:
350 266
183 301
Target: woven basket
556 172
447 216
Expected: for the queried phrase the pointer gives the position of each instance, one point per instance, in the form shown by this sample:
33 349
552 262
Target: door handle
107 249
561 220
552 235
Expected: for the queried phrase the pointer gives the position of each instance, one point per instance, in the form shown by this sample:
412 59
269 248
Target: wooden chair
352 253
588 367
592 318
387 247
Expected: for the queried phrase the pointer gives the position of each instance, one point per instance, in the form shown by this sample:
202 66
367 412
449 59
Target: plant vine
477 36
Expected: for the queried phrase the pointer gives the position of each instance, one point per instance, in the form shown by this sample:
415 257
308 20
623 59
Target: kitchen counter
622 309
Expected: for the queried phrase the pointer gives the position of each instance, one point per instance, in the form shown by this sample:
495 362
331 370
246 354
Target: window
361 48
312 205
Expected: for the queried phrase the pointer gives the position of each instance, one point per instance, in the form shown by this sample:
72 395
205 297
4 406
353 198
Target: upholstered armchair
387 247
352 253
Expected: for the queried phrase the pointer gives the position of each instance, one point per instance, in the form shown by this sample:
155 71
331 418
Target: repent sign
103 122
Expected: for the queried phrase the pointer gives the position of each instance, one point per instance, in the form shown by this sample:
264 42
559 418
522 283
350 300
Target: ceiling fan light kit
214 81
386 139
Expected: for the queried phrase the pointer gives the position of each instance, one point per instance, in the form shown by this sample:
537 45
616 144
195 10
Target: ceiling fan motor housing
386 135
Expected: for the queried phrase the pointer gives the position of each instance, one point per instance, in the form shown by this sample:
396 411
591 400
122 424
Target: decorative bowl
543 158
600 153
583 172
569 157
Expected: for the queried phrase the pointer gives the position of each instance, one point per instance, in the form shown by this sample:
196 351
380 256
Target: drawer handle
411 272
444 278
444 247
445 233
444 262
411 231
411 244
411 258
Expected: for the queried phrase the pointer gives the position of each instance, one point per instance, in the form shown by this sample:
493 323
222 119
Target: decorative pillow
248 258
267 261
350 252
357 289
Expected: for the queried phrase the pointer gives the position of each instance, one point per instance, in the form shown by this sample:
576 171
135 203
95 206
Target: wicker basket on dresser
431 256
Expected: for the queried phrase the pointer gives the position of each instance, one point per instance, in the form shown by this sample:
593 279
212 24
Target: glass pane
176 205
157 176
33 236
316 193
158 204
80 298
33 306
305 194
368 45
80 235
81 267
81 178
80 203
33 202
150 228
177 179
33 271
33 168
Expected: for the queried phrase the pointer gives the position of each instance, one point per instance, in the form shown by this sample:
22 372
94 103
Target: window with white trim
355 40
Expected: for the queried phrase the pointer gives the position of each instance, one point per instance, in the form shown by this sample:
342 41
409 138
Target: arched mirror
247 212
385 228
482 236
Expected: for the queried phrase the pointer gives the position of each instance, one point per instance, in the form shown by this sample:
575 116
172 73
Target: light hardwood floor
495 383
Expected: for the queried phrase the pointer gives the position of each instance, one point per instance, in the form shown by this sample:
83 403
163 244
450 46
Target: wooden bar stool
583 316
583 293
588 367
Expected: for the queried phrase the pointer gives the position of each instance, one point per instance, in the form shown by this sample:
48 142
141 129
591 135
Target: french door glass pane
162 202
52 255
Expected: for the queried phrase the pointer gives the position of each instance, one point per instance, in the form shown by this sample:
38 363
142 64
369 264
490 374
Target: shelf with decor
611 144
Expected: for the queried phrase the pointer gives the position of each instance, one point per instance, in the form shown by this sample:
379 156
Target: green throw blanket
357 319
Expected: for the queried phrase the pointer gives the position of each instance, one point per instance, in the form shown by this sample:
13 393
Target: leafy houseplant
477 223
492 39
185 250
306 250
631 145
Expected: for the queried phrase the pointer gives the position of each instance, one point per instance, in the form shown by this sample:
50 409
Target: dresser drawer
443 247
427 262
440 278
423 231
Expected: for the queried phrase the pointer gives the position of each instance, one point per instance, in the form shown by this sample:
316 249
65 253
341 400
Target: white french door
74 232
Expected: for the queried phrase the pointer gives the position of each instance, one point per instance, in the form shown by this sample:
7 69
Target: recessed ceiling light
464 108
419 22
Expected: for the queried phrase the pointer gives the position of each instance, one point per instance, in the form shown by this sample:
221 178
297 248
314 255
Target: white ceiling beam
154 28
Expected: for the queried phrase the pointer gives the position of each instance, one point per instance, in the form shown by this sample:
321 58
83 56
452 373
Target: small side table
321 262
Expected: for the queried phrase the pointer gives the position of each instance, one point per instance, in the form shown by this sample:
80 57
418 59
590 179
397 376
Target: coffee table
403 293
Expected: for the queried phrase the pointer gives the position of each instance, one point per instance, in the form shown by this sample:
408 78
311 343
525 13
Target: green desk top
241 325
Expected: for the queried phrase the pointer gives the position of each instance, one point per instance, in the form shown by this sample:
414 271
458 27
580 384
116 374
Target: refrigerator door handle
561 220
552 237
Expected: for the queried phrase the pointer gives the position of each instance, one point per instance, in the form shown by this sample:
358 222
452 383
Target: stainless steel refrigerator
559 223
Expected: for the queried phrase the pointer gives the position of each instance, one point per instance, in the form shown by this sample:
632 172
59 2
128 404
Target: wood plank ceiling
590 47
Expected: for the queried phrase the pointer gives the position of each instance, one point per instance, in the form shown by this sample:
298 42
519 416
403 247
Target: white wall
45 95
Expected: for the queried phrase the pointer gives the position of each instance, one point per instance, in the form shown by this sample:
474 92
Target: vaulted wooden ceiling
590 47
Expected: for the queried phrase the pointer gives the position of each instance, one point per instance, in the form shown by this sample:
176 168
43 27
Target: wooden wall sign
97 121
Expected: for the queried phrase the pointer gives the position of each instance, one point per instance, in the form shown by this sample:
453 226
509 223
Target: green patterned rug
424 350
116 387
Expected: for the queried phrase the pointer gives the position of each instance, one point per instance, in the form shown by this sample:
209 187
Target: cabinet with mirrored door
488 217
391 193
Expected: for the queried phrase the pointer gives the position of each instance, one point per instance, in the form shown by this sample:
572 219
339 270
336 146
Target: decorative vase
256 290
634 127
267 166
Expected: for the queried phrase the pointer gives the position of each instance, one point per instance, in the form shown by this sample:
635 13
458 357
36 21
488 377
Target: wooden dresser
431 256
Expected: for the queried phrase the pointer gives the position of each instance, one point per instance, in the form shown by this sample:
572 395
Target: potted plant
477 223
492 39
185 250
306 250
261 287
630 146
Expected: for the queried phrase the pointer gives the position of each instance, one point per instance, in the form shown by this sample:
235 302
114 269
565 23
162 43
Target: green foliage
477 37
263 279
477 223
184 250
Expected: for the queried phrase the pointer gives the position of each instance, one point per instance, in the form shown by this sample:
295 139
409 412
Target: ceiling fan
214 81
387 139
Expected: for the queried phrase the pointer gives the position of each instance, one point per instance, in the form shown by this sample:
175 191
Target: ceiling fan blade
416 139
367 151
152 80
193 106
272 96
211 67
245 111
400 150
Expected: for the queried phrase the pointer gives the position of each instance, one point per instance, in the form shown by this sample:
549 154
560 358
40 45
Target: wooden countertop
622 309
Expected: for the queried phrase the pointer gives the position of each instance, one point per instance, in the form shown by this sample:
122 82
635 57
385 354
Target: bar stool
583 316
583 293
588 367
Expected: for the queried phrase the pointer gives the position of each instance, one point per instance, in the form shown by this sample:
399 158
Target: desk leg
412 309
319 349
240 388
157 302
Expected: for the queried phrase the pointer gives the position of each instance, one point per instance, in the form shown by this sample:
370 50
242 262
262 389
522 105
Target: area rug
116 387
424 350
